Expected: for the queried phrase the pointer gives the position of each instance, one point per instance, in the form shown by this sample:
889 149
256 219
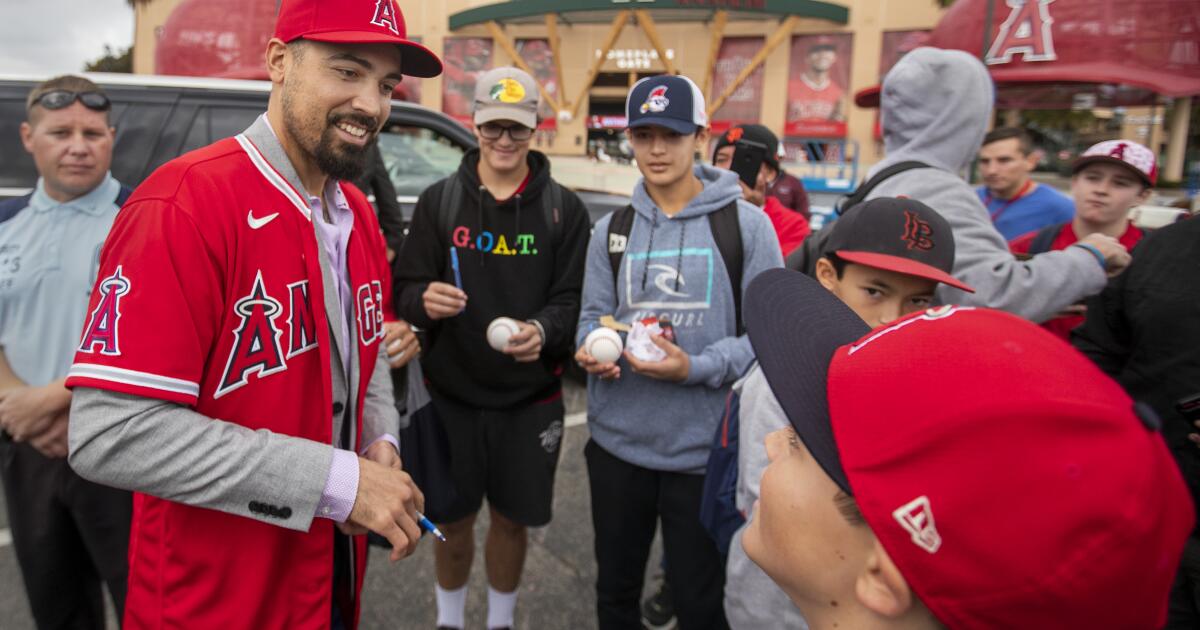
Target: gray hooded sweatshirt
672 267
935 107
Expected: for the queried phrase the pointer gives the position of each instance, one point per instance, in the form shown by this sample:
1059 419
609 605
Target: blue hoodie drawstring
679 259
649 247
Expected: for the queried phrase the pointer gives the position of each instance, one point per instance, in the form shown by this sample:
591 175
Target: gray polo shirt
49 257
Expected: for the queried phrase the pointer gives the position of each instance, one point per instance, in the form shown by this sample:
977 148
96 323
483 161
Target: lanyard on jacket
1020 193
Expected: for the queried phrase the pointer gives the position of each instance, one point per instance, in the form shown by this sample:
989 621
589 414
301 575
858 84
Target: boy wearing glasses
651 421
499 238
69 533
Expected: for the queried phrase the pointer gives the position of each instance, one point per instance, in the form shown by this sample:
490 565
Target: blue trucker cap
666 100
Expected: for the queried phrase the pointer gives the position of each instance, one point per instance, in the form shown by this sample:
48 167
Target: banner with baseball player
744 106
464 59
538 55
819 77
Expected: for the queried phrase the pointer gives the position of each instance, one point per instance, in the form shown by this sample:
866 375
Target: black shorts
508 456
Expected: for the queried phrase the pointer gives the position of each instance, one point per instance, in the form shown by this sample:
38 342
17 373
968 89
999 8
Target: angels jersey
211 295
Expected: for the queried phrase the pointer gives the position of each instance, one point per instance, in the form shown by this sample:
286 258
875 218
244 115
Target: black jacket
375 181
522 274
1144 331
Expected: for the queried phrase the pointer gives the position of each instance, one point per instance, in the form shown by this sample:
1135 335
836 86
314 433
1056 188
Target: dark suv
159 118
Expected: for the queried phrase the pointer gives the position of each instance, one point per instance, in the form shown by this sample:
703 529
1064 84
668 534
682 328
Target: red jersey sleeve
155 309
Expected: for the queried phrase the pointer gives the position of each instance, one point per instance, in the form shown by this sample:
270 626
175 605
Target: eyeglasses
58 99
518 133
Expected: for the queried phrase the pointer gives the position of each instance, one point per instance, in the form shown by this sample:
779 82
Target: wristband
1095 252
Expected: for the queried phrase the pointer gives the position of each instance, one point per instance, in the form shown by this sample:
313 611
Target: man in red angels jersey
230 371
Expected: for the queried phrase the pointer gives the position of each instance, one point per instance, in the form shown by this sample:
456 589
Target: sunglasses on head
58 99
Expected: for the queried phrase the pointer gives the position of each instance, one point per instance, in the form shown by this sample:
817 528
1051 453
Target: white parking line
575 419
5 537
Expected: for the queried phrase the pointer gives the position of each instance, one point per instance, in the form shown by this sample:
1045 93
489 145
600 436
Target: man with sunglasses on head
499 238
69 533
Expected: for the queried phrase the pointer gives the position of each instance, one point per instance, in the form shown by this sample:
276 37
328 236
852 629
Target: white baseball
500 331
604 344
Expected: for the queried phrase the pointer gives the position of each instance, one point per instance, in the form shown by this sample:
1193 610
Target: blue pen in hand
430 527
454 266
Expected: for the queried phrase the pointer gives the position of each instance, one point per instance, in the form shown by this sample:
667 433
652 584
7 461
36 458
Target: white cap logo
916 517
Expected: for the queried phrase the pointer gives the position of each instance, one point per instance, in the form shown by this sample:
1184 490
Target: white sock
500 608
451 606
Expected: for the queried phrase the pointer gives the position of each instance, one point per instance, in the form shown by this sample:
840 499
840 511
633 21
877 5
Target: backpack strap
123 196
727 233
865 188
9 208
449 210
1044 239
552 209
619 227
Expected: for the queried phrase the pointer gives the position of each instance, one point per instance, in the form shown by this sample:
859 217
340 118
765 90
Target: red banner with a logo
538 55
464 59
744 106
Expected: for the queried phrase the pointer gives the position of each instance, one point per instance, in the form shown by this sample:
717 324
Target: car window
416 157
214 123
139 127
18 170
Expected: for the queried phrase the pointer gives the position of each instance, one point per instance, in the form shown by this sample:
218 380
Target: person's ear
826 274
1145 195
278 59
880 588
1034 158
27 136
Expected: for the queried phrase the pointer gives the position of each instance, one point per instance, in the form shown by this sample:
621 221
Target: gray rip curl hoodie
935 107
672 267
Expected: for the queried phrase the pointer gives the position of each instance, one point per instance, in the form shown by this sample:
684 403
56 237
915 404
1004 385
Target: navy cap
669 101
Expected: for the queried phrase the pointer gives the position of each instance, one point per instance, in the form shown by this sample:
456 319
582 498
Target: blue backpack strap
718 499
123 196
10 207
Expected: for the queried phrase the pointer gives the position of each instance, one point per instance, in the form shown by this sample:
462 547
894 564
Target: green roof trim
519 9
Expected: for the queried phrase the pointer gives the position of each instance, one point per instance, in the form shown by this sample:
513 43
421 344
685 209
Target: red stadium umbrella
216 38
1042 53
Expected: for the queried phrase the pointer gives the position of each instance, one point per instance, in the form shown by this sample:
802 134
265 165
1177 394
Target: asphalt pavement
557 591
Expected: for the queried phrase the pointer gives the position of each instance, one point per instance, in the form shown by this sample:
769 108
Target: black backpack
805 257
727 233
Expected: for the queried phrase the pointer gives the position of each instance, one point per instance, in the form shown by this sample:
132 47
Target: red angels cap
1013 484
1127 153
355 22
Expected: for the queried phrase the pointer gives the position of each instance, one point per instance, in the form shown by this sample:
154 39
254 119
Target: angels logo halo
657 102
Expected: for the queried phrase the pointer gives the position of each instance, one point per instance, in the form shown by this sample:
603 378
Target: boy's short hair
1024 140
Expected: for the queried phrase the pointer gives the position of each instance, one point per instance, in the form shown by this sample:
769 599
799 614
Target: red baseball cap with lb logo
355 22
1012 483
897 234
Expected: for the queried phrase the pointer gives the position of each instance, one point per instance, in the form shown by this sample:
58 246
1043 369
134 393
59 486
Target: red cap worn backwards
1013 484
355 22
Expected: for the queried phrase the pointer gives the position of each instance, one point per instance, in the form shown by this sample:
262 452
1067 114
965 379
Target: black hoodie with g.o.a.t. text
514 263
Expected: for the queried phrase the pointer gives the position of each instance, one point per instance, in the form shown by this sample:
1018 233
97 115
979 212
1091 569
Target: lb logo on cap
508 91
657 102
917 233
916 517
